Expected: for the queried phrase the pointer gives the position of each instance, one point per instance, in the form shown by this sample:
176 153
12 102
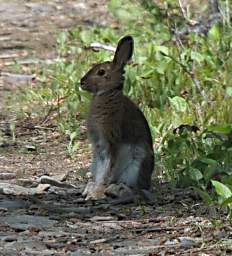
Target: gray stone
12 189
187 242
12 204
24 222
9 238
7 176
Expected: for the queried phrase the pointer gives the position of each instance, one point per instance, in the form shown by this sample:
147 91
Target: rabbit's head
109 75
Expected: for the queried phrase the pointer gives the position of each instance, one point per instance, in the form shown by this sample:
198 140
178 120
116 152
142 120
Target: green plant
13 129
224 192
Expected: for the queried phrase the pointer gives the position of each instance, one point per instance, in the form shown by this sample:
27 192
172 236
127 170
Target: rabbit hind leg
128 165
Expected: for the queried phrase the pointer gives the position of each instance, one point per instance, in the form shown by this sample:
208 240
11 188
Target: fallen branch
17 77
96 46
156 229
49 180
12 189
30 61
13 55
36 127
7 176
4 38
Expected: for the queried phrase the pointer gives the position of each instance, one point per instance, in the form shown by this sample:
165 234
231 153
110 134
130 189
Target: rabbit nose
82 81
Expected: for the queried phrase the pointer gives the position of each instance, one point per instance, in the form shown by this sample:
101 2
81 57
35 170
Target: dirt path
29 28
53 219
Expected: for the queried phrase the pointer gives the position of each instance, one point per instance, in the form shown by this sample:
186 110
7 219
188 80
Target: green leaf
224 128
221 189
214 33
178 104
197 56
123 14
204 195
73 135
229 91
227 201
162 66
114 5
209 161
62 38
75 147
195 174
161 48
86 36
128 12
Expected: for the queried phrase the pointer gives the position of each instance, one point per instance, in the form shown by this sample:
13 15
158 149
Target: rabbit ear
124 51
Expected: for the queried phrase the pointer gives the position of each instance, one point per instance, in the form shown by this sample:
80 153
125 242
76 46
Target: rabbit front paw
94 191
118 190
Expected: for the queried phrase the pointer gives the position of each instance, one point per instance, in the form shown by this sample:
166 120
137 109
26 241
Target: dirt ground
39 216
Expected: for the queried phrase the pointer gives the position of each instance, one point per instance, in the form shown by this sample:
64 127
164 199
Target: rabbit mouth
84 85
87 87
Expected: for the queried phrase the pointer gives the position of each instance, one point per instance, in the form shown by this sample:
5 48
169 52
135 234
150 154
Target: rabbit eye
101 72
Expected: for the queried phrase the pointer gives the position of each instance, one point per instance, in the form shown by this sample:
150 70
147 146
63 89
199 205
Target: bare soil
56 220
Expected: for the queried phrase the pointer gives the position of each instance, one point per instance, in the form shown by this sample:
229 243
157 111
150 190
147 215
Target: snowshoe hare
123 157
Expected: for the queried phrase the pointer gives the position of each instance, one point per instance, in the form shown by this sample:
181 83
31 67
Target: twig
48 180
51 109
17 77
97 46
4 38
155 229
31 61
185 12
13 55
59 209
39 127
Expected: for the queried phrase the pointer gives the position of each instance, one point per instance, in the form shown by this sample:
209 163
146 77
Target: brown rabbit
123 156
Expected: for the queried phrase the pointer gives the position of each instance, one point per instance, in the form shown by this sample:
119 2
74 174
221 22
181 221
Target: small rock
80 252
102 218
24 222
112 225
7 176
61 177
49 180
30 148
41 188
171 242
25 182
187 242
6 205
12 189
15 78
3 209
98 241
219 234
9 238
